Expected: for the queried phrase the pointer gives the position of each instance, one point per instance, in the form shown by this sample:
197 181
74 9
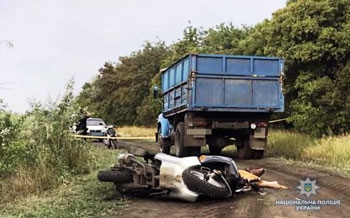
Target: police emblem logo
308 187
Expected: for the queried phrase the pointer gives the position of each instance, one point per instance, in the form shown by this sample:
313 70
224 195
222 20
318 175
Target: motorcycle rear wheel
115 175
194 179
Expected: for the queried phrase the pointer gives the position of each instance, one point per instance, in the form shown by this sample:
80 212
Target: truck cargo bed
223 83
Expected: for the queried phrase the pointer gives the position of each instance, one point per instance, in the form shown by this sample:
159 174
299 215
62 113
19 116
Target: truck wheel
196 182
116 176
214 149
180 149
245 152
164 144
258 154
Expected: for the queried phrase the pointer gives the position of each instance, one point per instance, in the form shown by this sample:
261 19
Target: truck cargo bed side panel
223 83
233 93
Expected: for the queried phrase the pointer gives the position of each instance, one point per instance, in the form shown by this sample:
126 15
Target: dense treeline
312 36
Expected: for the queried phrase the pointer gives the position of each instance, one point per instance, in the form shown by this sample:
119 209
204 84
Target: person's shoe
258 172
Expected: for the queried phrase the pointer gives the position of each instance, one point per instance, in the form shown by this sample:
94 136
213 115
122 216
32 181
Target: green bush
37 150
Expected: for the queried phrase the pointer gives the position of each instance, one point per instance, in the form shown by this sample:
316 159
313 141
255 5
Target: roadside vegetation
329 151
36 150
78 196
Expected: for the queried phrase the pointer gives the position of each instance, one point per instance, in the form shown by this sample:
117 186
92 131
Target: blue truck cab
219 100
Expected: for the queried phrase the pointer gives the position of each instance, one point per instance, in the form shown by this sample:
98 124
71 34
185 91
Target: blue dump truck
219 100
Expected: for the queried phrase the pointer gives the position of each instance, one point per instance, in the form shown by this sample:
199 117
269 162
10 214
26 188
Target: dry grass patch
134 131
333 151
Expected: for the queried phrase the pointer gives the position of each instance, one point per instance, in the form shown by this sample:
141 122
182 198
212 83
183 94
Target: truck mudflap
257 141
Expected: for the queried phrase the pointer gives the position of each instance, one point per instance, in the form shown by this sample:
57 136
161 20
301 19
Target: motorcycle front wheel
195 180
115 175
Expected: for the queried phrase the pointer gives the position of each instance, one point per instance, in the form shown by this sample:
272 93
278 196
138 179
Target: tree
314 38
120 88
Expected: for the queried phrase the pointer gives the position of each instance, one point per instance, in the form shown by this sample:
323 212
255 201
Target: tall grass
334 151
330 151
40 154
287 144
81 196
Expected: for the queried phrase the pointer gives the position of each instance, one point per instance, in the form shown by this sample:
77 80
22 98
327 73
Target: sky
56 40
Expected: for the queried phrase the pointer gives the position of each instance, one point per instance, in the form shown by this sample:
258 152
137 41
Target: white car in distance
96 127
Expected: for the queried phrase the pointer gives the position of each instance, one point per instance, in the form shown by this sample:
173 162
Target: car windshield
95 122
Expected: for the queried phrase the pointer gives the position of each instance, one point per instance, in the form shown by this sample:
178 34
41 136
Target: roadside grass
287 144
331 151
81 196
134 131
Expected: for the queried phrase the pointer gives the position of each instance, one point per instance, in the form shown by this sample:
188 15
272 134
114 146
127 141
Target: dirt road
250 204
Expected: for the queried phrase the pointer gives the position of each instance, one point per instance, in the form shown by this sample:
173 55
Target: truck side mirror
155 92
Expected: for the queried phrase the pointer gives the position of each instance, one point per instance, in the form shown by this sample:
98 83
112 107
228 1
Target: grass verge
331 152
83 196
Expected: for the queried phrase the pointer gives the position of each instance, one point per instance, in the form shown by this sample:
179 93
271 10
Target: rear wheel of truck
244 151
180 149
164 144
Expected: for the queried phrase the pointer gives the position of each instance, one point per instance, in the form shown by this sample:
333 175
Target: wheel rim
212 181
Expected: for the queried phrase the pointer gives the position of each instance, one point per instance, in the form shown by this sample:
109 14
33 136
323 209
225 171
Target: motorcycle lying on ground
184 178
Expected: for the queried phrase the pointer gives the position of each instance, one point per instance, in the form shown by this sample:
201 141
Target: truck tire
245 151
164 144
180 149
194 180
116 176
258 154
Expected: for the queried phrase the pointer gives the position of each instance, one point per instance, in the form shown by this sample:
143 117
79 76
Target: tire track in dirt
251 204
